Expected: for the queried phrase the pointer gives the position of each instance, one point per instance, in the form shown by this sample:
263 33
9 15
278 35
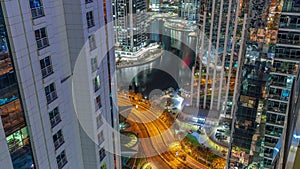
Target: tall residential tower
40 47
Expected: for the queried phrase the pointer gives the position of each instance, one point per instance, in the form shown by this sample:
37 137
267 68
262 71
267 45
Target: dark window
98 102
102 154
58 139
88 1
90 19
46 66
41 38
100 138
50 93
54 117
61 159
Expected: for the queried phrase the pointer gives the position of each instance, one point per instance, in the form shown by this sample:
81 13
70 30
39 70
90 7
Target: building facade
130 24
40 47
279 125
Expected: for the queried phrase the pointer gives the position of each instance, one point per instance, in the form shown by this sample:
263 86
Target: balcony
270 144
289 40
289 26
277 109
285 68
290 9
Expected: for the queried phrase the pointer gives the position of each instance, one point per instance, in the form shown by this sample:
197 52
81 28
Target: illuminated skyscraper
280 115
130 24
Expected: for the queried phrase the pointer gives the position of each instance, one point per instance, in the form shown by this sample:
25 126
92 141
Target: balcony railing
276 109
293 9
278 97
270 144
37 12
290 26
288 40
281 84
273 133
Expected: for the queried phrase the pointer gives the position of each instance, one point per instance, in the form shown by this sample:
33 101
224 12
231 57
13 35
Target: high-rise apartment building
246 147
130 24
280 94
41 47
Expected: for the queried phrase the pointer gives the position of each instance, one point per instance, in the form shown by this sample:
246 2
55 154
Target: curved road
155 136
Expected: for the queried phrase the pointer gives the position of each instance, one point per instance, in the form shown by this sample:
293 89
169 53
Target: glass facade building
284 71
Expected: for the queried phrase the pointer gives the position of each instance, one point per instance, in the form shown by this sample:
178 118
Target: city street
155 137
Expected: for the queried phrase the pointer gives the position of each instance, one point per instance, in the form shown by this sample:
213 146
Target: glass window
98 102
90 19
61 159
100 138
46 66
96 83
99 121
41 38
58 139
37 9
102 154
54 117
92 42
50 93
94 64
88 1
17 140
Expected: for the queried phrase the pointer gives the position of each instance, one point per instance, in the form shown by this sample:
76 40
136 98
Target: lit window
46 66
102 154
37 9
50 93
103 166
58 139
61 159
96 83
90 19
54 117
41 38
